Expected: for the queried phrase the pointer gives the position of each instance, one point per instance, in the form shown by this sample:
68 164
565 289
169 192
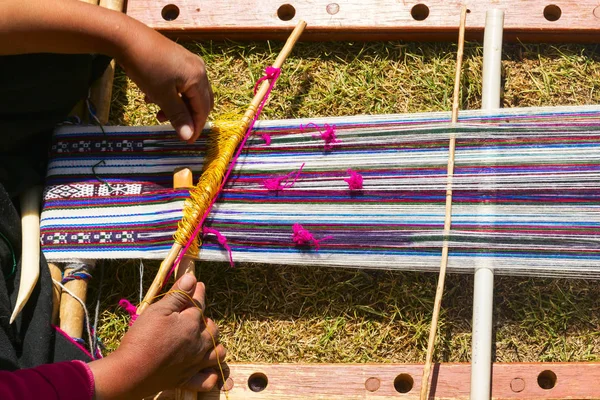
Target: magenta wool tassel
130 309
275 184
327 134
222 241
303 237
355 181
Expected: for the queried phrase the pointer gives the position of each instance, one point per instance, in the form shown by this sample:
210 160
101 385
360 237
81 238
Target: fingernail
187 282
186 132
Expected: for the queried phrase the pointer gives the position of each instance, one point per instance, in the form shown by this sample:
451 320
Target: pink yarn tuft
275 184
327 134
267 138
303 237
222 241
270 74
355 181
130 309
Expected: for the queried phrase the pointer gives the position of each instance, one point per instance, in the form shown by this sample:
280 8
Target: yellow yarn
222 141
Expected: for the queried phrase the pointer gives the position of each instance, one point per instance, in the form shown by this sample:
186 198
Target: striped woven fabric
526 193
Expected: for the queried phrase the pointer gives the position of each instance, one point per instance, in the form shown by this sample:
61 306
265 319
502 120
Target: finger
199 100
177 112
200 295
161 117
177 301
202 381
210 334
215 356
199 300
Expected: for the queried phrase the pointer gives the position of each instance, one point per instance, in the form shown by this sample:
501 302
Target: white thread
141 281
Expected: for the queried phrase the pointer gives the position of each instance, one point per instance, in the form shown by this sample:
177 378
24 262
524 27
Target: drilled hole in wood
286 12
372 384
258 382
170 12
333 8
552 12
547 379
403 383
420 12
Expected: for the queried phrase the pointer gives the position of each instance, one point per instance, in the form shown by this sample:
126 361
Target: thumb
176 110
176 300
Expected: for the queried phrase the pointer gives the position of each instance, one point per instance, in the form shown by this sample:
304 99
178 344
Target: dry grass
308 314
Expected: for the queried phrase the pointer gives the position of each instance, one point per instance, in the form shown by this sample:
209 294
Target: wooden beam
551 21
402 381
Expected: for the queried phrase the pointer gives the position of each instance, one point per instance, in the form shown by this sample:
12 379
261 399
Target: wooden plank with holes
540 21
532 381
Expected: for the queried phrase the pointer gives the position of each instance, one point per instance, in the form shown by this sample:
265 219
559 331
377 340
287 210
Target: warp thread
355 181
302 237
222 241
272 76
327 133
275 184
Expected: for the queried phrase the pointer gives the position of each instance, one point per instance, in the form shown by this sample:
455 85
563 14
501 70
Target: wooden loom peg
30 247
72 314
437 304
166 265
183 178
56 275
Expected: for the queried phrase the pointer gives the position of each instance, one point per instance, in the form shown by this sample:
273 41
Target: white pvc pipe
483 294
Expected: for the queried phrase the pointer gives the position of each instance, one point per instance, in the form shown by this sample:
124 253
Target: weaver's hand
173 78
168 346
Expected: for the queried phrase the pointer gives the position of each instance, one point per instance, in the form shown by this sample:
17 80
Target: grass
277 313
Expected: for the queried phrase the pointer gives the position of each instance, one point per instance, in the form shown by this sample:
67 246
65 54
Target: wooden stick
437 304
101 90
166 265
184 178
30 247
56 274
72 314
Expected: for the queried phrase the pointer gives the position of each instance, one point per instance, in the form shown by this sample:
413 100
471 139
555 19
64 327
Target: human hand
172 77
170 345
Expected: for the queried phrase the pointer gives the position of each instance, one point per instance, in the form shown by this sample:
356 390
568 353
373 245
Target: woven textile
526 193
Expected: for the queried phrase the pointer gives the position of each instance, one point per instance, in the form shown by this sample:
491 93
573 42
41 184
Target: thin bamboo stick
448 215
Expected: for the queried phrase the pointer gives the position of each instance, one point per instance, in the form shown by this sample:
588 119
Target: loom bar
561 21
56 274
532 381
483 293
72 314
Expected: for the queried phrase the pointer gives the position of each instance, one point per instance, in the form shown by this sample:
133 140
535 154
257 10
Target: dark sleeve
71 380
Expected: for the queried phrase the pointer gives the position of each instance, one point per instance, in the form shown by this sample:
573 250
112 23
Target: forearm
65 26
